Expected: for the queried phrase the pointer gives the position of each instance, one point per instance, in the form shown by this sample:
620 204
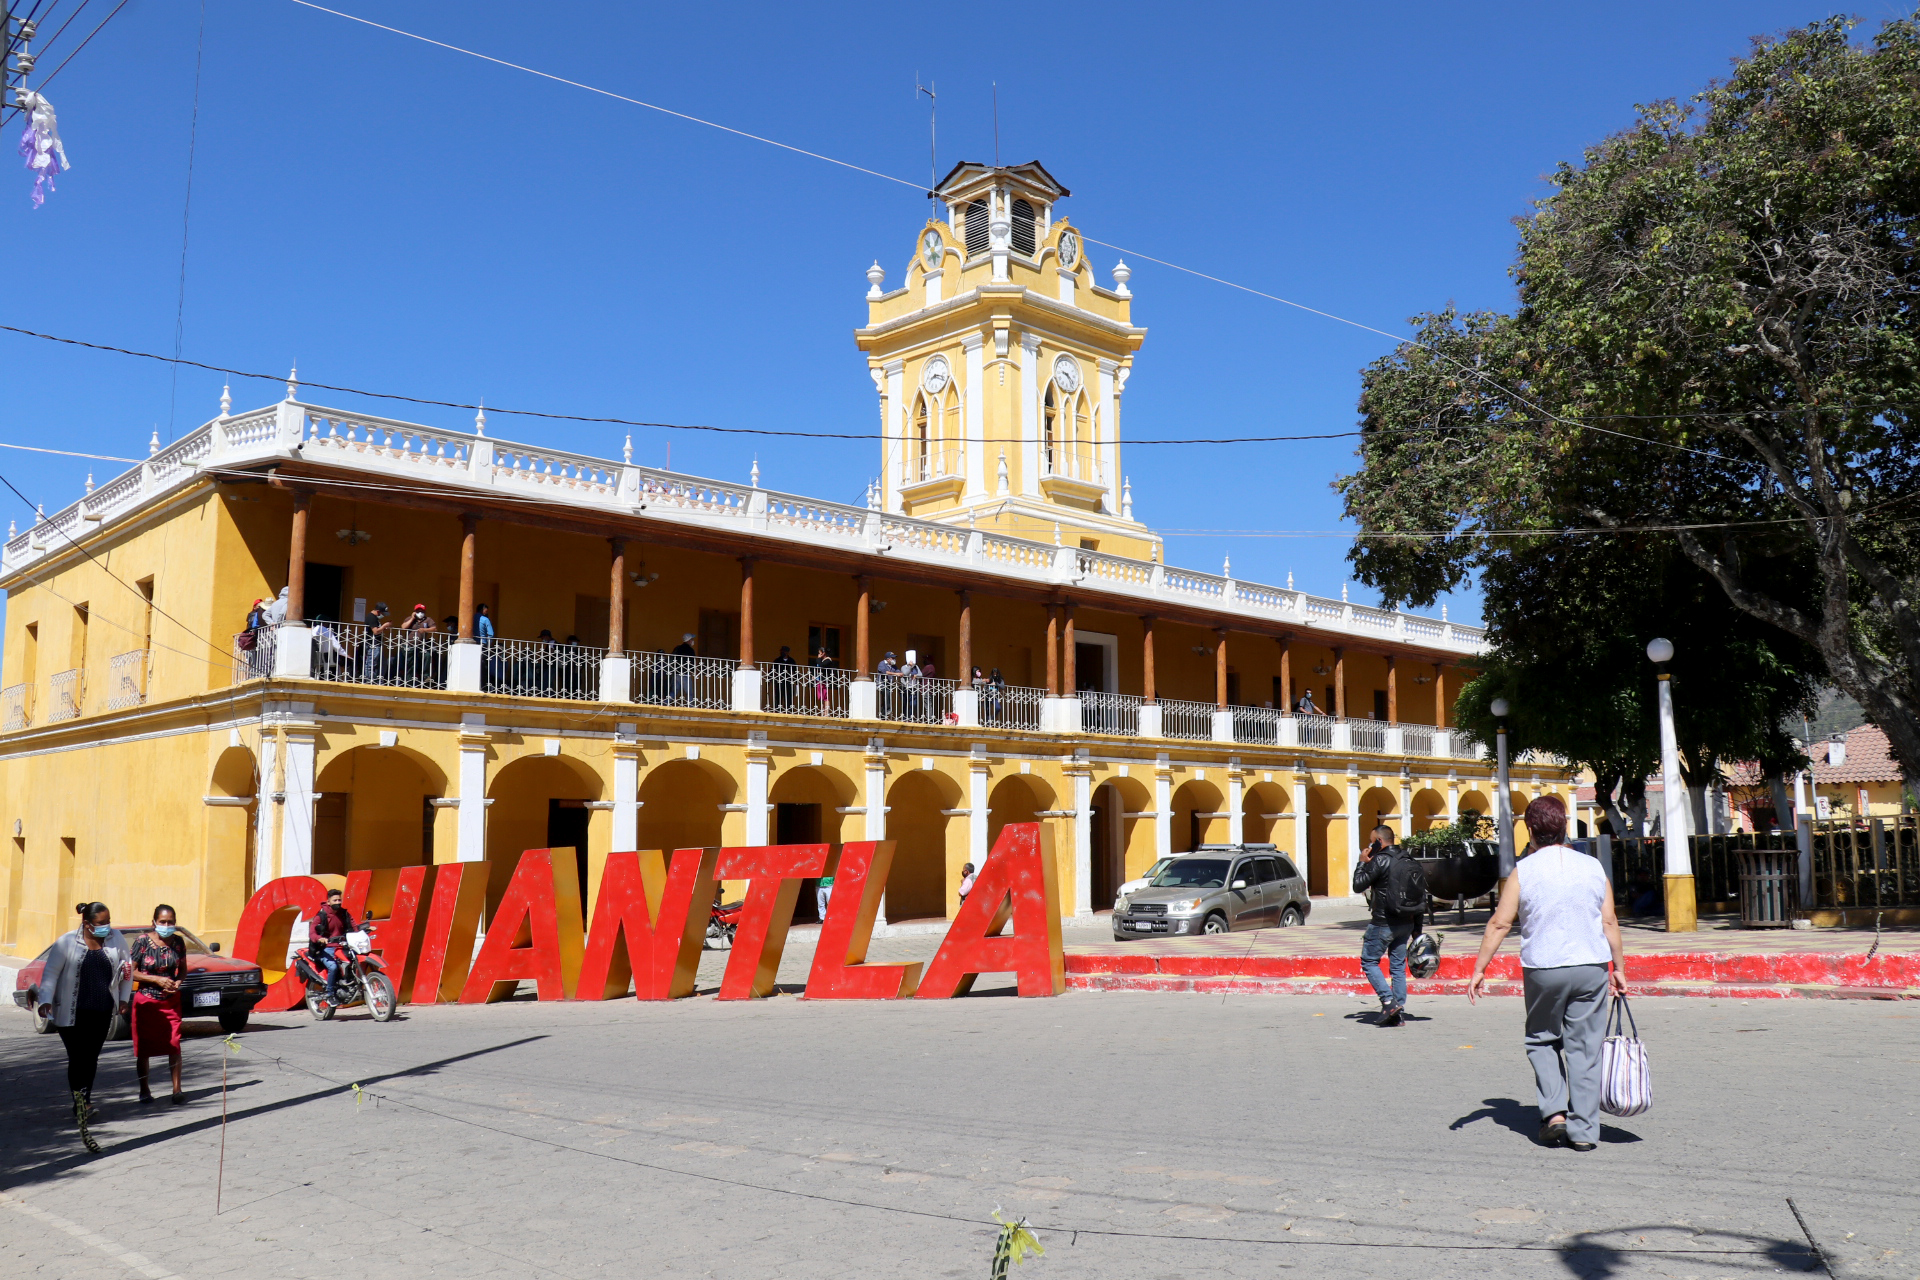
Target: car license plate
206 999
1143 925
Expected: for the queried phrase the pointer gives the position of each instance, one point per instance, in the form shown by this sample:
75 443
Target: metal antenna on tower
933 132
996 124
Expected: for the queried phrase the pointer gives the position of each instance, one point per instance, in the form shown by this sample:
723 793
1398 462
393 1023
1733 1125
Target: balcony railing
1417 739
682 680
127 678
1368 735
1189 720
787 688
541 669
1256 725
16 705
354 653
253 653
69 690
1010 706
1109 713
1315 731
915 699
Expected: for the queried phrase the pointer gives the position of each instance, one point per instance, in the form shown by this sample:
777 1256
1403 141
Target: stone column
1149 687
966 699
979 778
616 669
1302 824
1082 776
1163 808
297 558
296 782
863 702
1236 802
1439 695
474 741
626 788
759 766
1353 839
876 802
746 678
463 655
1222 715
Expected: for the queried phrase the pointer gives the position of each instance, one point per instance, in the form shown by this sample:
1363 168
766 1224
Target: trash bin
1769 886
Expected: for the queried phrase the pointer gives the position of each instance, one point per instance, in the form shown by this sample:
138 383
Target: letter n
535 933
840 971
1018 880
649 922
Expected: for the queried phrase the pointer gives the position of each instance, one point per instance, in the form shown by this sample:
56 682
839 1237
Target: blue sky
399 217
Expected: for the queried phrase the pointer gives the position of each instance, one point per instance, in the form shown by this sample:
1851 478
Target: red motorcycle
363 977
722 923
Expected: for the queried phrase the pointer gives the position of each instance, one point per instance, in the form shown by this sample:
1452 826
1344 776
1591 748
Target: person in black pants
84 983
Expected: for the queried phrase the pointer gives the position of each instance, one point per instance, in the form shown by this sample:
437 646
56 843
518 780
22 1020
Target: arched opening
371 810
1123 847
925 880
1478 803
1048 415
806 810
1377 806
680 805
1323 827
1199 816
922 439
1267 815
231 868
1429 810
540 802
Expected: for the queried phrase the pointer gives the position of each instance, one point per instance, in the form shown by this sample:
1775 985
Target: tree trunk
1783 815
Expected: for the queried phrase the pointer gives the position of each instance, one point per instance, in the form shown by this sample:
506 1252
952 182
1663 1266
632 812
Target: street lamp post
1682 911
1503 802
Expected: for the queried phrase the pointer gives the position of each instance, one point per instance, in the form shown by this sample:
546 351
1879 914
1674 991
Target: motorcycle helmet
1423 957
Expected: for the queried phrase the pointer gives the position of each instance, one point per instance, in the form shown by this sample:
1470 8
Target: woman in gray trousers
1568 936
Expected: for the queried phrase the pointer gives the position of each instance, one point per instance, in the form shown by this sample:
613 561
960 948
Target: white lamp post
1503 803
1682 911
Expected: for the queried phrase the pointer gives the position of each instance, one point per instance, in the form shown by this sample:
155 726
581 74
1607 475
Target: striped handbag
1626 1078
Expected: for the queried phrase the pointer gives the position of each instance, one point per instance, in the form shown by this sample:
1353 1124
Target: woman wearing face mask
159 963
82 986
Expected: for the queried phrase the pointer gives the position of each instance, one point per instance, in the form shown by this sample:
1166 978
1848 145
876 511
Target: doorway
567 829
1096 662
326 587
800 824
1107 853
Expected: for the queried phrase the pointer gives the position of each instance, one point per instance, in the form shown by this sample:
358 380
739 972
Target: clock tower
1000 365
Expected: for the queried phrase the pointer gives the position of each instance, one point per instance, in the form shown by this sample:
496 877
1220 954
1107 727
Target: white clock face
1069 249
930 250
1066 374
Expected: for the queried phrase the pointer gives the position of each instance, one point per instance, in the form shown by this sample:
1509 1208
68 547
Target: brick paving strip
138 1261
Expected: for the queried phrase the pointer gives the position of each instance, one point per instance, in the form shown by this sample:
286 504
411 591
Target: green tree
1716 353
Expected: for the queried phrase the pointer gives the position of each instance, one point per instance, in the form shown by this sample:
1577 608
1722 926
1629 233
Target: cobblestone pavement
786 1138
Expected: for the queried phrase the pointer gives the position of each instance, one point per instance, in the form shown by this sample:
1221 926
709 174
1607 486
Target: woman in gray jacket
86 980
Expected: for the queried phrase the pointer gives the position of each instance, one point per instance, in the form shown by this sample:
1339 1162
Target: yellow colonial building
148 753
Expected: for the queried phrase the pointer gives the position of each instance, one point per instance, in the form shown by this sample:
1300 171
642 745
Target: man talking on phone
1396 888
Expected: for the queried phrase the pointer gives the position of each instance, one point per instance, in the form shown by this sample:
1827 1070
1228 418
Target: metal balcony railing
127 679
1368 735
253 653
681 680
541 669
1259 725
1417 739
793 689
1010 706
1109 713
915 699
69 691
1189 720
16 706
1315 731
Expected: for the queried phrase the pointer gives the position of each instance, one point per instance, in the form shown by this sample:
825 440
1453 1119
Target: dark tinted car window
1287 871
1267 869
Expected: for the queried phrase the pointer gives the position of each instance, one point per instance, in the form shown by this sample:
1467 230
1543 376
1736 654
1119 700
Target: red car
215 987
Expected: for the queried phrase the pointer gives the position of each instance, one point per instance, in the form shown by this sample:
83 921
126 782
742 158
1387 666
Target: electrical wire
77 48
66 453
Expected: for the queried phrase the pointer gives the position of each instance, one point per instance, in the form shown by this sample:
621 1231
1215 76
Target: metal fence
1190 720
127 679
915 699
1867 862
792 689
253 653
1315 731
354 653
541 669
1109 712
680 680
1417 739
18 702
1010 706
1368 735
1256 725
1640 863
68 690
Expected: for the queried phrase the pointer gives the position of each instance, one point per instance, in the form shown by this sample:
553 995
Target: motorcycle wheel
317 1005
381 1002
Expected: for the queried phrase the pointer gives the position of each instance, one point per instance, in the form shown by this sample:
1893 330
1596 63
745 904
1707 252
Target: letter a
1018 880
648 925
535 932
840 971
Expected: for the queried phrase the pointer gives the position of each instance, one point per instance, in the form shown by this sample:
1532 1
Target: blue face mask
102 930
164 930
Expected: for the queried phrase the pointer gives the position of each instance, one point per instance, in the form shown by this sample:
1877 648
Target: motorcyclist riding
327 930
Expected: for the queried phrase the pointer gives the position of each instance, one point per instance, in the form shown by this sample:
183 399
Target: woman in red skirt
159 963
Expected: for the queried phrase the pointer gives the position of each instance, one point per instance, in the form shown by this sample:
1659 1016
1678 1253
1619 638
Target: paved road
795 1139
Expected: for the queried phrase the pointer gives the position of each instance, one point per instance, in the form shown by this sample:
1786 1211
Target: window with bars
978 220
1023 228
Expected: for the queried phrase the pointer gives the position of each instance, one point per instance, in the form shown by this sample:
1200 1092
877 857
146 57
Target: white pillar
975 391
746 689
293 652
1163 811
626 790
863 701
1353 832
268 815
1673 790
1031 388
1150 720
616 681
894 447
1082 842
470 844
296 813
1223 724
1799 795
1109 454
1302 830
977 811
1406 806
1453 799
759 765
876 818
463 668
1236 820
966 706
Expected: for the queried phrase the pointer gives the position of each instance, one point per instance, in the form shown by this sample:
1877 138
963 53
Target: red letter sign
1018 879
774 872
840 971
648 925
453 920
535 932
398 891
264 932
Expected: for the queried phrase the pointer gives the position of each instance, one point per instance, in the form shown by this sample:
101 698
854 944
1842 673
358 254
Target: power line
83 44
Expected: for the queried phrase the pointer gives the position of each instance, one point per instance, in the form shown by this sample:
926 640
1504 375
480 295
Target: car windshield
1192 873
195 947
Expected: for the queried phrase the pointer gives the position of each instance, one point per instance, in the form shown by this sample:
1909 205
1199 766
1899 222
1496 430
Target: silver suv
1216 889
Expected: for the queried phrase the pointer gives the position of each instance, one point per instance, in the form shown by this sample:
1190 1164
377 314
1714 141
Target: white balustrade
1192 721
682 680
1368 735
1011 706
1117 713
795 689
540 669
1314 731
1259 725
1417 739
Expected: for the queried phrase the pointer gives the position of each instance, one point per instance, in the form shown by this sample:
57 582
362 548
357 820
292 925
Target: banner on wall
649 922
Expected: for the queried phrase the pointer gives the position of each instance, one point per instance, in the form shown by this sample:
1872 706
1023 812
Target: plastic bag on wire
1626 1076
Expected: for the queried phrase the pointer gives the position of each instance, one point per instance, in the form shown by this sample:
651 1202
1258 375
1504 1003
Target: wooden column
746 612
1220 667
1340 683
1147 694
1053 651
1393 691
1439 695
297 558
1286 675
617 599
1069 658
965 674
469 530
862 663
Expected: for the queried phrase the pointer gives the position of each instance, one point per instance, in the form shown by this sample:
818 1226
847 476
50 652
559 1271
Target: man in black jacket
1391 930
329 929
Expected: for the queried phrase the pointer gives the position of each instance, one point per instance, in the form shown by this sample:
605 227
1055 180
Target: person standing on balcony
888 675
249 638
329 655
996 694
784 678
910 684
413 644
822 683
683 678
1305 705
573 663
483 632
379 629
277 611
